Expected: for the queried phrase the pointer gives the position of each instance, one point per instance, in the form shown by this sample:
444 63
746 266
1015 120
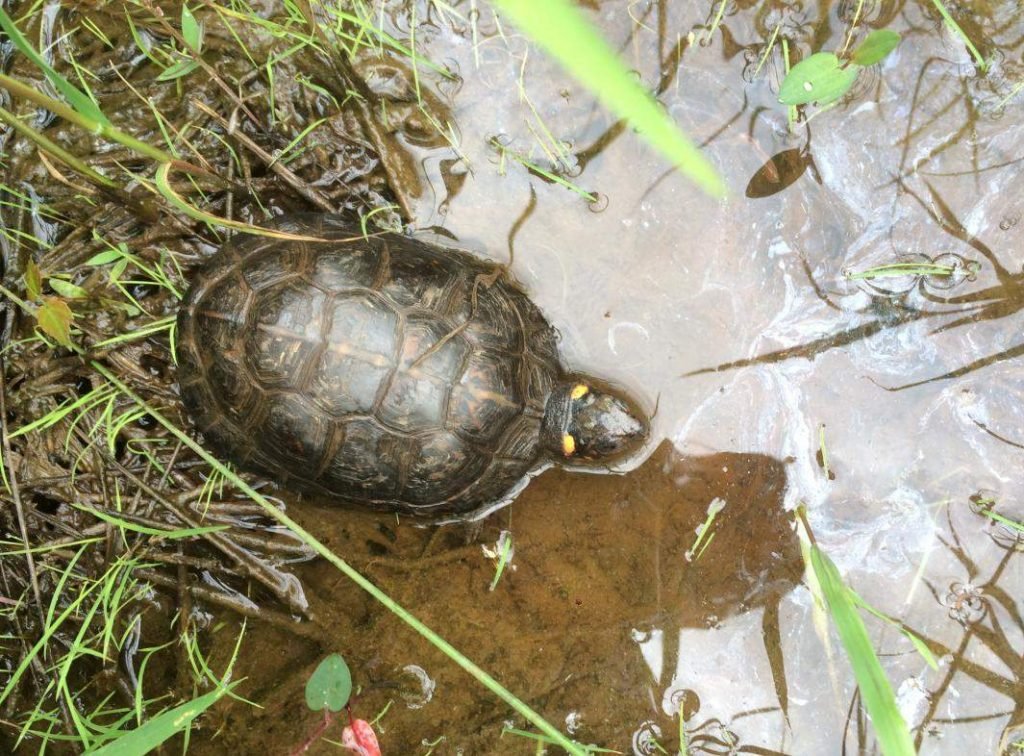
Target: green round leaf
875 46
819 79
330 685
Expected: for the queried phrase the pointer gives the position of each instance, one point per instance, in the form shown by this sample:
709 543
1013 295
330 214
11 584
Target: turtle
386 370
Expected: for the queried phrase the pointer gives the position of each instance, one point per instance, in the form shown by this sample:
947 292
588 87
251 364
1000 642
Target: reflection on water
747 321
611 619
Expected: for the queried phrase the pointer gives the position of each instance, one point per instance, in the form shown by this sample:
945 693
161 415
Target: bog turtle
387 371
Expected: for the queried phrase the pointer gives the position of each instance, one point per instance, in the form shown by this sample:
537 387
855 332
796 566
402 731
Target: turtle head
591 422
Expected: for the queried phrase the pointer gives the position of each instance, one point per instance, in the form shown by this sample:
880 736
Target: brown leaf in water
781 170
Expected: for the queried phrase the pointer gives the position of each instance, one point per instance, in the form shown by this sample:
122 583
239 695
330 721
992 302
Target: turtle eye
568 444
579 391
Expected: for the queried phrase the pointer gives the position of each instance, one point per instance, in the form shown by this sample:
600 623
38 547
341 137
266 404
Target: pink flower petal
360 738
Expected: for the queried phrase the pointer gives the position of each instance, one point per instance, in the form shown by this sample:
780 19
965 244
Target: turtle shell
388 371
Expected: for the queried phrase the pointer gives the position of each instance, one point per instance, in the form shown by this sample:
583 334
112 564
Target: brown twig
12 480
296 183
239 606
283 585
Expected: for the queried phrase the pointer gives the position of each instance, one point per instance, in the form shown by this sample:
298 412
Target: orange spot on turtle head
568 445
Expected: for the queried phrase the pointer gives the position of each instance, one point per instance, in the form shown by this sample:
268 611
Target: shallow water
604 620
736 319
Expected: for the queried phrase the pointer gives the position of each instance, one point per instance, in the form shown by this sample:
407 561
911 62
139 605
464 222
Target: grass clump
123 520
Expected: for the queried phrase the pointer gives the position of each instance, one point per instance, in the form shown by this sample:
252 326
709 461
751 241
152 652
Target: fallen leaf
782 170
54 317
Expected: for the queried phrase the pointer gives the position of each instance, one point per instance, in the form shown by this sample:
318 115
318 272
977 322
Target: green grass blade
545 174
955 28
915 640
161 727
93 125
52 625
78 99
899 270
354 575
876 692
169 534
558 27
504 555
163 185
51 147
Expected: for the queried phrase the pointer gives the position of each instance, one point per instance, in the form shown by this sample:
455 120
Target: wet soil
888 407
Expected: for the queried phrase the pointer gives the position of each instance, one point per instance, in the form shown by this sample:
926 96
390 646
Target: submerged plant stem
768 49
853 27
790 109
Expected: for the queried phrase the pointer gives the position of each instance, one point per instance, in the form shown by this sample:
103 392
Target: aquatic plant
328 691
823 78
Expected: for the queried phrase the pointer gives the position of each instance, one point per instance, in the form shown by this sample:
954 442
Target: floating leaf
875 46
68 289
33 280
330 685
191 30
780 171
54 317
820 78
360 738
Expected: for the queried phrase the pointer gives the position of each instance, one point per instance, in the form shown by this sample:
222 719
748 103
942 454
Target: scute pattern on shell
390 372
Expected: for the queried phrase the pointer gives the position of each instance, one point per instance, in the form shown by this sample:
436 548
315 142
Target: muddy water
737 320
